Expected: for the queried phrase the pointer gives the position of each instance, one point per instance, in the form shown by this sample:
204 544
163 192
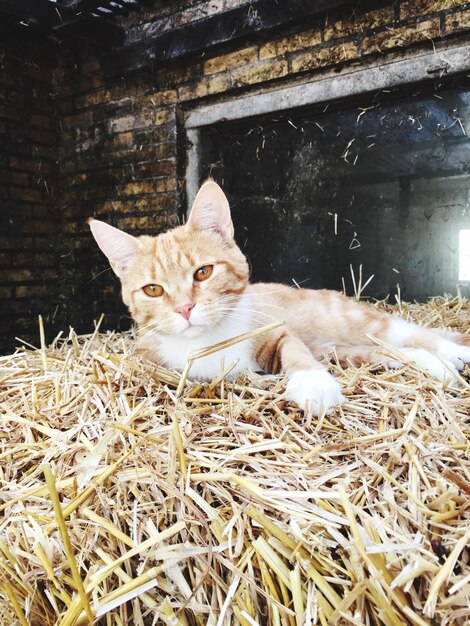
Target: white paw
439 368
457 354
315 391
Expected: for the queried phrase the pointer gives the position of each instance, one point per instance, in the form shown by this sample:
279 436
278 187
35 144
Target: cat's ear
118 246
211 211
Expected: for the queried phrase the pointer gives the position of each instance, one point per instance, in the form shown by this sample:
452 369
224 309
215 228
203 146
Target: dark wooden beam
102 32
32 12
59 21
88 6
250 20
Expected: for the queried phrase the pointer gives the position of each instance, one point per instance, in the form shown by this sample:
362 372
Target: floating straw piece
225 505
199 354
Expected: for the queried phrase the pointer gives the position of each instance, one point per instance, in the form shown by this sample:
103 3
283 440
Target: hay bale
123 503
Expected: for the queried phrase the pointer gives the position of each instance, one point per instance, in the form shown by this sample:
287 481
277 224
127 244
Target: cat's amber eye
203 273
154 291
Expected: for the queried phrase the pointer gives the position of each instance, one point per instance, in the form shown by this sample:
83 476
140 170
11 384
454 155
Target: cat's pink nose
185 310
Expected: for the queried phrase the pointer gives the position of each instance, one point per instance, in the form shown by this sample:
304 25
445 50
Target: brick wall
118 162
122 143
28 215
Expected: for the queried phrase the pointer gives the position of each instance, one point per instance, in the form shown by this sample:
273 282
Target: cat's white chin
192 331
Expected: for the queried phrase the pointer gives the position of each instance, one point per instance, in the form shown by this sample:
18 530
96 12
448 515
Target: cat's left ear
118 246
211 211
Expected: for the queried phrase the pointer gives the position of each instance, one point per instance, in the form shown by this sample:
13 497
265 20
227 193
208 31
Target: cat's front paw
315 391
457 354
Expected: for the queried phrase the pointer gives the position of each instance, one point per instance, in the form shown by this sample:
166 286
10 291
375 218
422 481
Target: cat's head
184 281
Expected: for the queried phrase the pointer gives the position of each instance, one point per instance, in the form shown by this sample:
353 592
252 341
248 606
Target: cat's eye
203 273
154 291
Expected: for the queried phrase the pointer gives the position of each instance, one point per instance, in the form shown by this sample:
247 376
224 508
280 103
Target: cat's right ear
118 246
211 211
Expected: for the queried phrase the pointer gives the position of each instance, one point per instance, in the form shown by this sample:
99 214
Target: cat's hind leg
402 334
395 359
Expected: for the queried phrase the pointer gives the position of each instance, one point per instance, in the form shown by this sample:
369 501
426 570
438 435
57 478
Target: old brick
110 206
142 222
44 243
67 167
150 169
71 227
42 136
30 164
160 98
27 291
205 87
163 185
151 144
261 72
34 259
165 116
44 212
41 121
137 188
121 139
68 89
16 243
164 150
88 83
323 57
360 23
156 204
96 98
92 65
144 119
77 120
15 276
401 37
418 8
174 75
26 193
43 151
458 21
143 138
18 178
161 202
36 227
230 61
122 124
292 43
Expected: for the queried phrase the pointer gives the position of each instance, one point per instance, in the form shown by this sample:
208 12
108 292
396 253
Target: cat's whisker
247 310
108 269
152 332
250 312
150 325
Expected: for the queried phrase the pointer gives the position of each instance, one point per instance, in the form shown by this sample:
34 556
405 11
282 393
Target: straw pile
124 505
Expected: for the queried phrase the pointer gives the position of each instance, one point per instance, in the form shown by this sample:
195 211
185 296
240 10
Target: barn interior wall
28 168
120 141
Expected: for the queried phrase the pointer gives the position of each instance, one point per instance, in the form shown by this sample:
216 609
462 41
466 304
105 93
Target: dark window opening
381 183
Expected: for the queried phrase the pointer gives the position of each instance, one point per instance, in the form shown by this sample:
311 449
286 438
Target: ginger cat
188 288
